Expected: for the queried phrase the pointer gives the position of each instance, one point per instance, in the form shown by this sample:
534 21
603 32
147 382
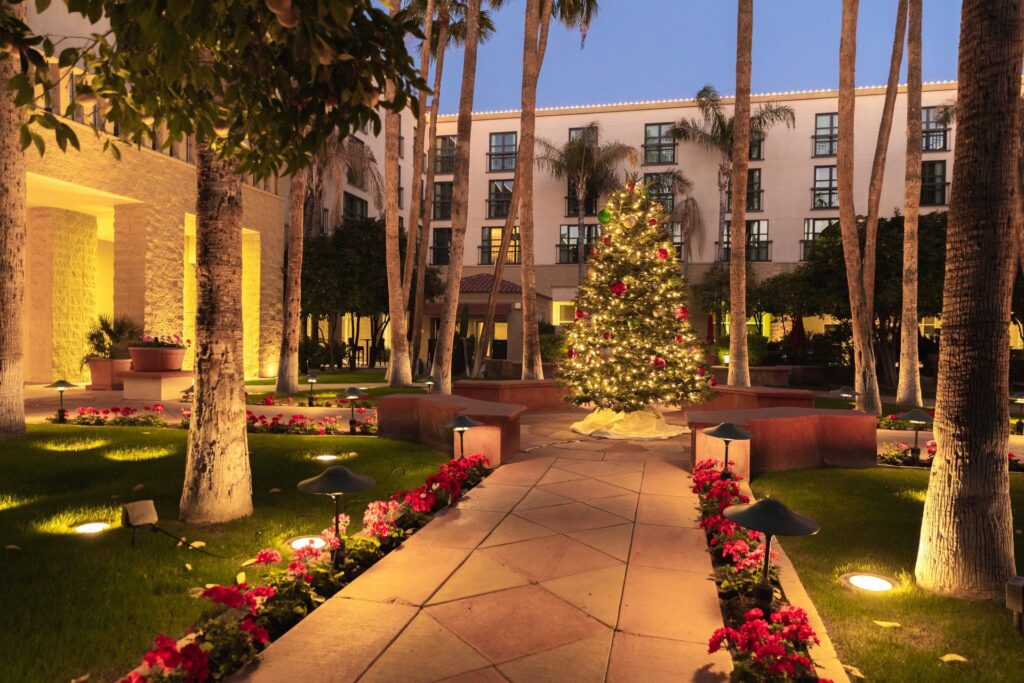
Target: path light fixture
867 582
353 394
727 432
772 518
186 396
1018 398
460 425
845 393
61 386
918 418
429 382
311 377
725 359
336 481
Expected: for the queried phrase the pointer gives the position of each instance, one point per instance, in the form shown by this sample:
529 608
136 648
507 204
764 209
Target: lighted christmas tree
631 347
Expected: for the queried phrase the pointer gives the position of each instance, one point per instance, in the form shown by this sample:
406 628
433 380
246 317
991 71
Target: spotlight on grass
300 542
326 457
90 528
865 581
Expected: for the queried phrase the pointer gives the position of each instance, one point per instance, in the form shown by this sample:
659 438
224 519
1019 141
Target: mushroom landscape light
92 527
353 394
61 386
311 377
460 425
727 432
918 418
872 583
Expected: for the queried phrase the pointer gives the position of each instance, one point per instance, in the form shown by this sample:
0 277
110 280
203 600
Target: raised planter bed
536 395
776 375
156 358
726 397
508 369
105 373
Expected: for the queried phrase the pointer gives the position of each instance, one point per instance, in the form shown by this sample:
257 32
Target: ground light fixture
61 386
300 542
727 432
186 396
845 393
139 514
429 383
460 425
311 377
772 518
1015 601
91 528
353 394
918 418
325 457
336 481
1018 398
867 582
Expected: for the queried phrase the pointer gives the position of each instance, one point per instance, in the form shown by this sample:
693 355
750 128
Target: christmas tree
631 346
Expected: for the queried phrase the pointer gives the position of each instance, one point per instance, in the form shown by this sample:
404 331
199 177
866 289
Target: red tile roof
481 284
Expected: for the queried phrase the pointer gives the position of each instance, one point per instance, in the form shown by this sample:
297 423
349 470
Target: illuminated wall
251 302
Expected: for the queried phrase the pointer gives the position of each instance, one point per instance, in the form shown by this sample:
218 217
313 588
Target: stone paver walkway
582 560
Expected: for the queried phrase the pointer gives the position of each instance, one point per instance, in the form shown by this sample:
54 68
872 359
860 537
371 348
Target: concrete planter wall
156 358
105 373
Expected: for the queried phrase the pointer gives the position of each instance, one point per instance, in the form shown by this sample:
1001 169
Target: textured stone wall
251 302
37 330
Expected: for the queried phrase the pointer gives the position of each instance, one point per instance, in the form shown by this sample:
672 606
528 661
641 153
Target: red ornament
711 382
572 354
631 187
682 313
618 288
662 254
653 221
607 335
658 362
679 339
580 313
700 370
607 241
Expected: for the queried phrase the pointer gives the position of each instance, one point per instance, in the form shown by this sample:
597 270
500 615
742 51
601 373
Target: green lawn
355 377
74 604
870 520
256 398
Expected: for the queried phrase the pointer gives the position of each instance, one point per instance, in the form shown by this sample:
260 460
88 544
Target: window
440 252
575 133
756 148
502 156
443 201
659 145
759 247
572 204
826 134
563 312
825 191
353 207
499 196
754 191
934 134
444 161
490 245
567 249
659 186
401 140
812 228
933 183
676 230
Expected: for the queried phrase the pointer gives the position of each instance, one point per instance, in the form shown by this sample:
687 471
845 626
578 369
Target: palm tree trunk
12 249
724 173
908 388
442 370
218 482
739 371
534 43
581 230
428 206
881 151
865 378
966 546
288 367
412 244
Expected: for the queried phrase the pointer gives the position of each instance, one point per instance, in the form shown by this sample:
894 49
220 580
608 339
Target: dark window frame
659 145
825 141
501 154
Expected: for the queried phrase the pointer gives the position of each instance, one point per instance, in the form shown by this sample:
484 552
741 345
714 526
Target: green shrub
552 348
757 348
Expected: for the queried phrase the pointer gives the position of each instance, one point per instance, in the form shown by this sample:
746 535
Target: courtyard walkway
581 560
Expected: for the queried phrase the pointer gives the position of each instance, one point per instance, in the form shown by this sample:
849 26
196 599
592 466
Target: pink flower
268 556
360 410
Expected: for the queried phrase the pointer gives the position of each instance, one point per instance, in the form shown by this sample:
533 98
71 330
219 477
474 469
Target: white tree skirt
604 423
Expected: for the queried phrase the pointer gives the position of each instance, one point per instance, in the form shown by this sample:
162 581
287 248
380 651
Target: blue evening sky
664 49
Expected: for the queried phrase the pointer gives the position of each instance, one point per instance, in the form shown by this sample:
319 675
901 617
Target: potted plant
108 354
158 354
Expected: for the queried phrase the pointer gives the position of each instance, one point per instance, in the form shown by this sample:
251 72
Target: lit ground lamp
772 518
727 432
918 418
311 377
429 382
460 425
1018 398
61 386
845 393
867 582
90 528
335 481
353 394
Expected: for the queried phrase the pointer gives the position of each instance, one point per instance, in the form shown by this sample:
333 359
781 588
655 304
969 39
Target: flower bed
899 454
320 400
149 416
770 649
245 617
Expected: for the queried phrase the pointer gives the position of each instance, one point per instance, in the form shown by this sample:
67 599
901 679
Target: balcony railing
498 208
444 163
489 253
659 153
825 197
754 200
934 193
440 255
442 209
760 250
570 253
501 161
935 140
824 145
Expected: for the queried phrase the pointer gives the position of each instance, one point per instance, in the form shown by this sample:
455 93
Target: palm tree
442 369
908 389
739 370
966 546
687 215
865 377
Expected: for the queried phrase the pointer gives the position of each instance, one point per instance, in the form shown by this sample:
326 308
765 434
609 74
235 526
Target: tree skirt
604 423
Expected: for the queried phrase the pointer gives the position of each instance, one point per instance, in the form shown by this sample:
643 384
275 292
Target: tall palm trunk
442 370
12 249
581 229
218 482
412 242
881 151
908 391
866 380
428 206
288 367
966 546
538 18
739 371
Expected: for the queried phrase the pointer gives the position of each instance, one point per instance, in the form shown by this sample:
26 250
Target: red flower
196 661
229 596
580 313
256 632
618 288
571 354
682 313
662 254
268 400
360 410
164 655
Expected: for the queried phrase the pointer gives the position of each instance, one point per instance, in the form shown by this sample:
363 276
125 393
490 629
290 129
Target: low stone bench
536 395
421 418
156 386
727 397
787 438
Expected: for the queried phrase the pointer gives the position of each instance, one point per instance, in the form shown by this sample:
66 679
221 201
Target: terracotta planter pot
106 373
156 358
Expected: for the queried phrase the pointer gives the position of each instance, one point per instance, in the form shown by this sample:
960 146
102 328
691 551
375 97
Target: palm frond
769 114
699 133
576 15
947 114
709 102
